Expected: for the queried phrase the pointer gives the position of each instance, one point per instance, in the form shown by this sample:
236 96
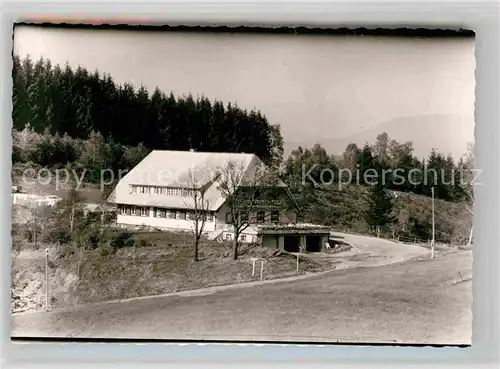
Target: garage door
291 243
313 243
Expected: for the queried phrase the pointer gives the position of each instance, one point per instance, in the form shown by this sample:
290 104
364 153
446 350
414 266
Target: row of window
133 210
259 218
160 213
162 190
179 214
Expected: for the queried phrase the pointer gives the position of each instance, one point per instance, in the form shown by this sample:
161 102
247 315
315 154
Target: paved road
414 302
372 251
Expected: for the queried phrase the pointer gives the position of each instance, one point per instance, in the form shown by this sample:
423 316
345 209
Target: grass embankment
163 263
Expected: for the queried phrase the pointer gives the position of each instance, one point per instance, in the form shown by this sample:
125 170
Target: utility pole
47 280
433 226
470 235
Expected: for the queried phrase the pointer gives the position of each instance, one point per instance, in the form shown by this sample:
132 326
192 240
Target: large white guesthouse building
158 193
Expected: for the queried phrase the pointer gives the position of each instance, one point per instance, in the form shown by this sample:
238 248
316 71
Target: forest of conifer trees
77 102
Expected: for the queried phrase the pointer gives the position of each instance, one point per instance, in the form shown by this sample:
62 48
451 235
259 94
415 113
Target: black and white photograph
243 184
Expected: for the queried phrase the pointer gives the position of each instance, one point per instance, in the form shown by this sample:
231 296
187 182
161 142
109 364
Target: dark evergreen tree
20 107
153 138
420 229
436 172
276 146
451 179
402 179
84 114
379 213
143 115
367 170
217 130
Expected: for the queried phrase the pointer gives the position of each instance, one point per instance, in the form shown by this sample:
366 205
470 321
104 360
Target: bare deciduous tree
198 183
244 188
36 222
69 215
72 204
351 155
381 148
108 197
397 150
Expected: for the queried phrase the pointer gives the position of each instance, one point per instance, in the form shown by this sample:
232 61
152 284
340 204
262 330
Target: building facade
167 188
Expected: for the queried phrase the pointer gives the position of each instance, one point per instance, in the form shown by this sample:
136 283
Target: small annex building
294 237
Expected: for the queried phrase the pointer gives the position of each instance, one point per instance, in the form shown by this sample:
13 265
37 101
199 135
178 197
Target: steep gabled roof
174 168
184 169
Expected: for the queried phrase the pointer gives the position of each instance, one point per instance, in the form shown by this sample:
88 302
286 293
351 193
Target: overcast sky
315 87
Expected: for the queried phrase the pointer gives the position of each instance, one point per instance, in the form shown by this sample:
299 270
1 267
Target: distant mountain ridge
449 134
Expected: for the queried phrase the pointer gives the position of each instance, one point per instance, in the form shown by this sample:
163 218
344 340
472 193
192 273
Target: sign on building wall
262 204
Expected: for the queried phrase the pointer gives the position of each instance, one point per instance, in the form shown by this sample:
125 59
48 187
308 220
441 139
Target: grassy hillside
343 210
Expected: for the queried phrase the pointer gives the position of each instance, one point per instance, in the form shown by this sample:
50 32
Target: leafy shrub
420 229
32 233
17 155
106 250
66 251
144 243
121 240
60 236
93 238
